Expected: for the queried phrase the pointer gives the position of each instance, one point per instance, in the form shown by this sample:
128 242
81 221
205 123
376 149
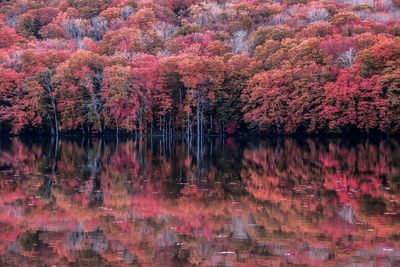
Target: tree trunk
201 121
151 127
56 123
53 104
47 84
169 126
188 125
99 122
198 119
211 123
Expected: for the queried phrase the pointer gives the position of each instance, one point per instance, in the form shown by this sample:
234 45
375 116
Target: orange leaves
120 107
78 82
124 40
198 71
308 50
111 13
30 23
128 41
265 100
285 99
381 54
345 22
143 19
317 29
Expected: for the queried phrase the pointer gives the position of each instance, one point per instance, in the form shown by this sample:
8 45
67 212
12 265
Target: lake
217 202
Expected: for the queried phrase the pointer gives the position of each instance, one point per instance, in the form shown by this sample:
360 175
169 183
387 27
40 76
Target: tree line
199 67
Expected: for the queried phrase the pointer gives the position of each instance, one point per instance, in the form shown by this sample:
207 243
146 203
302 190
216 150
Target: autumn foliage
199 67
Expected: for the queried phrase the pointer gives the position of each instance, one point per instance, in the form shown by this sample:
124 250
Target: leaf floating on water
226 252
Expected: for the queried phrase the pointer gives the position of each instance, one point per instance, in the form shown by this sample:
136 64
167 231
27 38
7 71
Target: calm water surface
221 203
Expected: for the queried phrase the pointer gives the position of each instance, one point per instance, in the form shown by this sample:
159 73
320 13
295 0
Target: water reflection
220 202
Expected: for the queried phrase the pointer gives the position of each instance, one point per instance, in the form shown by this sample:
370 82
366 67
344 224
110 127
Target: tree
317 29
120 105
210 66
149 88
227 108
29 109
78 83
45 79
143 19
265 100
40 67
390 82
375 58
32 21
89 9
345 22
10 91
128 41
277 33
355 102
176 90
9 37
285 100
112 13
52 31
179 5
306 97
202 76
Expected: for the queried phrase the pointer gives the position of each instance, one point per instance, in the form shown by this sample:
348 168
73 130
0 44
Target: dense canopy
200 67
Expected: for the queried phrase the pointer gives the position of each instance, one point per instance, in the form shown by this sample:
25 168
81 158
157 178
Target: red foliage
10 91
355 101
8 38
273 67
149 88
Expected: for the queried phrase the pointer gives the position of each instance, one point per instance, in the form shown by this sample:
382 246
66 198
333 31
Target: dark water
224 203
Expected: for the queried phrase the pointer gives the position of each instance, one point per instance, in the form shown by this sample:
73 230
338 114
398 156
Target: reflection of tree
347 213
313 182
158 202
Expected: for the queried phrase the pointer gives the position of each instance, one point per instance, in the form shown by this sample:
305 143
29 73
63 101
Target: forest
192 67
